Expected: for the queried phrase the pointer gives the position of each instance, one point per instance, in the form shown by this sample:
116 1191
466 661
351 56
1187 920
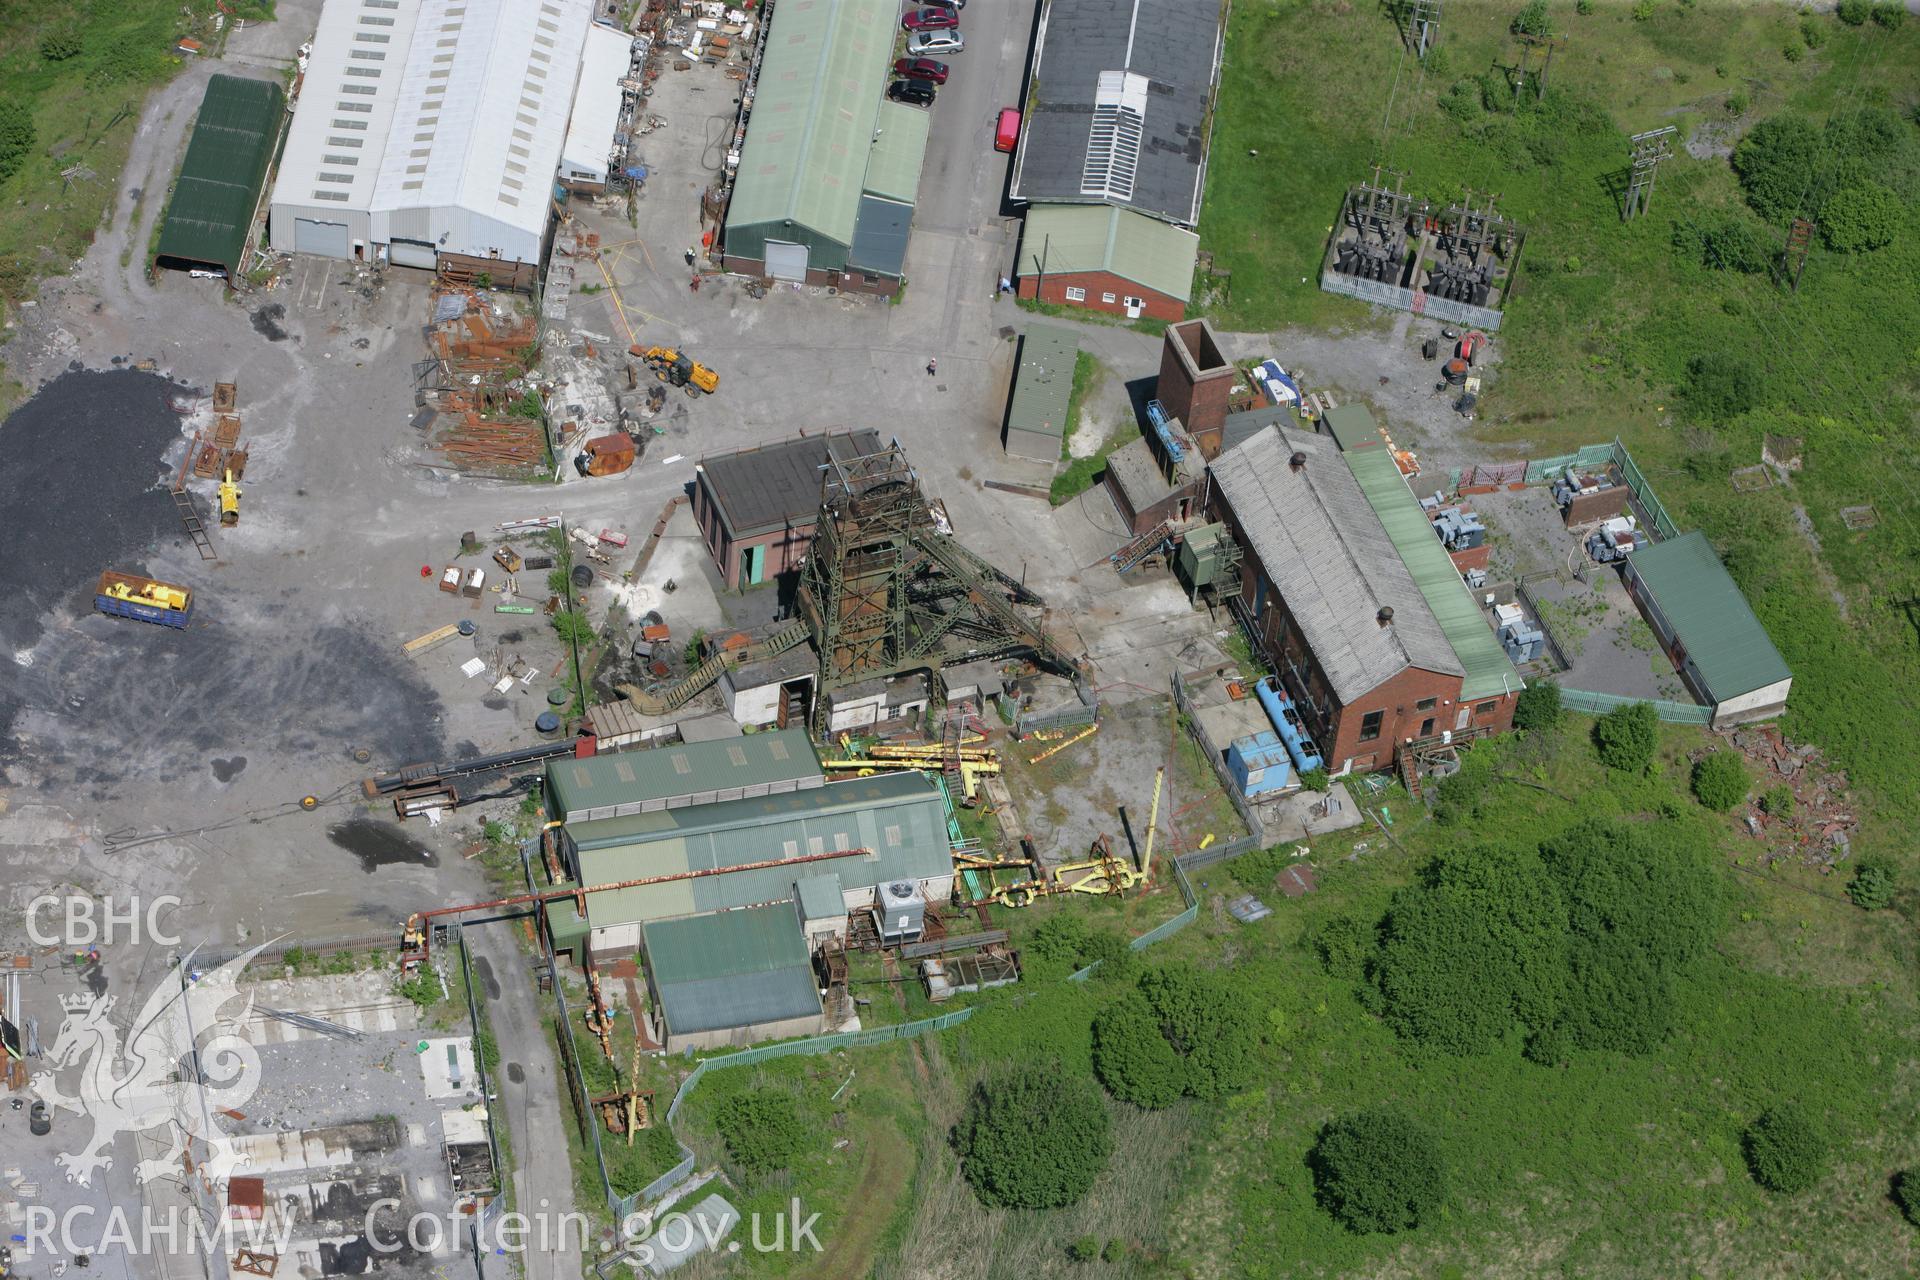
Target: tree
1784 1151
1872 885
1861 218
1853 12
1344 944
1773 162
1183 1032
1720 780
1722 384
1033 1139
16 137
1378 1171
1478 944
1889 14
1538 706
1906 1194
1530 21
1627 737
762 1130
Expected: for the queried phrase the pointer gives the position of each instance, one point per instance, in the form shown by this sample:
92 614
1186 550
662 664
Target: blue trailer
127 595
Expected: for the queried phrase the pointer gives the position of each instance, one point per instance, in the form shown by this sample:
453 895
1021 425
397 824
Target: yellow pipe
1153 820
1085 733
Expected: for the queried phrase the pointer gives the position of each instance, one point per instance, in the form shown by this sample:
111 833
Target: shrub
1538 706
762 1130
1793 52
1115 955
1116 1250
1060 939
1476 946
1723 384
1872 885
1889 14
1812 34
58 46
1627 737
1853 12
1343 944
1314 779
1737 104
1906 1194
1183 1032
1378 1171
1784 1151
1530 21
1773 161
1550 1046
1724 241
16 137
1720 780
1033 1139
1861 218
1583 7
1645 9
573 628
1778 801
1085 1249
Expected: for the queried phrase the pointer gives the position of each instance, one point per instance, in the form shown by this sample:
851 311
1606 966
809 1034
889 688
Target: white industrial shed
429 131
588 151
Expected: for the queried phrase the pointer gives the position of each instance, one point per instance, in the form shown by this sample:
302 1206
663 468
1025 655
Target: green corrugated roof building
898 818
211 210
744 971
1489 672
1068 239
820 136
1707 622
1352 426
1042 390
625 782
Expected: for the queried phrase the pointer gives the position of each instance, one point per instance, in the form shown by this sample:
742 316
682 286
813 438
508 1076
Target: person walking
933 367
689 257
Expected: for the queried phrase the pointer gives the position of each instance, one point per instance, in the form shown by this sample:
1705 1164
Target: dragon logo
183 1062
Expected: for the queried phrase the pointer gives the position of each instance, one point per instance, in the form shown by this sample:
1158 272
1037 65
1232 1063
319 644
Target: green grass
1606 315
1145 324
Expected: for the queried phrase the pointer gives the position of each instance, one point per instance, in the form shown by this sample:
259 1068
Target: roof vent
1298 461
1385 616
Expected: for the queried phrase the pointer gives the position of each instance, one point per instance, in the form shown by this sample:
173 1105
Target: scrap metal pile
474 382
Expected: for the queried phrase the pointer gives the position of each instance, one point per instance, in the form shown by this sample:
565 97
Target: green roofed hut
830 170
732 978
1042 392
1107 259
1708 629
210 214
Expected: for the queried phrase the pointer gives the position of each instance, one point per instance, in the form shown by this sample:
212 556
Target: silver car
925 43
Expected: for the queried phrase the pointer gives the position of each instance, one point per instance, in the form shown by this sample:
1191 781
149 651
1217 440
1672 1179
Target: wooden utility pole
1645 151
1528 43
1799 244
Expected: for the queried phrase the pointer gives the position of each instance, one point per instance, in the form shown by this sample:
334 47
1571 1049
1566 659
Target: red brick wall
1159 306
1201 405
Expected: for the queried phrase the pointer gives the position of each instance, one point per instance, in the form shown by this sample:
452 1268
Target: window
1107 298
331 195
373 37
893 837
1426 704
373 72
1484 709
816 844
792 848
1370 725
345 160
1136 303
336 177
1076 295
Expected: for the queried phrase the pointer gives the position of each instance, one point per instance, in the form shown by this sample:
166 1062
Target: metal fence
1542 470
1215 756
1027 723
1421 304
1601 703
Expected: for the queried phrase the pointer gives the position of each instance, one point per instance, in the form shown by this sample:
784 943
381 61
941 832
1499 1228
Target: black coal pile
84 488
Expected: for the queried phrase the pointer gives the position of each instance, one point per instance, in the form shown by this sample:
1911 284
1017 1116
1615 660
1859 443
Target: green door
753 566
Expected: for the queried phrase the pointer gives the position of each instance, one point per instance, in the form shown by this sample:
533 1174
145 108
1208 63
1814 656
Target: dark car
955 5
915 93
921 69
931 20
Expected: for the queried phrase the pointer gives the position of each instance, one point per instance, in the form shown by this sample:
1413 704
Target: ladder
1141 547
190 518
950 758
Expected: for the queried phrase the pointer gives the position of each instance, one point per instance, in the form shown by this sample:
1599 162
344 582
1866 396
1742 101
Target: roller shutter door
411 253
786 261
328 239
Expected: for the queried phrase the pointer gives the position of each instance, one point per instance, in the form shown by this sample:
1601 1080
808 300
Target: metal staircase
700 679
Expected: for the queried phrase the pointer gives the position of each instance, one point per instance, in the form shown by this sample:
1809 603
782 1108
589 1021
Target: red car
1006 130
921 69
931 20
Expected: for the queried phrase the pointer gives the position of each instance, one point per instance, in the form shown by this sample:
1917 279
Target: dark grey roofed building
1121 105
756 507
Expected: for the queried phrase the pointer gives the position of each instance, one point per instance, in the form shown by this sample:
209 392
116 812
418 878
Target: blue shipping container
1259 764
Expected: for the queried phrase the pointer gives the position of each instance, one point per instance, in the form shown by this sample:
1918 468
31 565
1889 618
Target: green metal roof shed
1069 239
805 159
1042 389
1489 672
626 782
731 969
214 198
866 831
1352 426
1707 618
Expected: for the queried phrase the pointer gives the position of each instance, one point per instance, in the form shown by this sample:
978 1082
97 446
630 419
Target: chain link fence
1600 703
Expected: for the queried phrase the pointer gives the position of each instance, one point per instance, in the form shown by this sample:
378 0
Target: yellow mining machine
229 499
677 369
1102 872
